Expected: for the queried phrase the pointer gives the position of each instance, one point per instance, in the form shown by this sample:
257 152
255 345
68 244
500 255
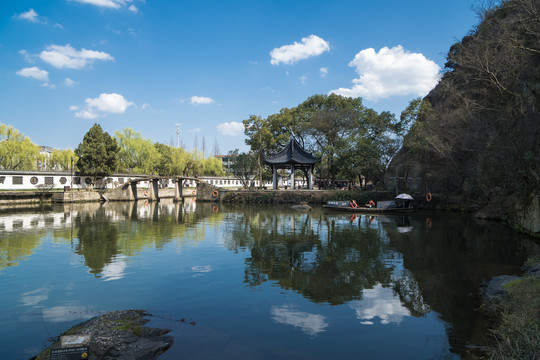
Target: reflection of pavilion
292 157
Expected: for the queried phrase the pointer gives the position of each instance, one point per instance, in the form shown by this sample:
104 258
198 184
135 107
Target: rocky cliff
476 135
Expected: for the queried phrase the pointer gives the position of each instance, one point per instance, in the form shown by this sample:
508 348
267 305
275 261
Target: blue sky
208 65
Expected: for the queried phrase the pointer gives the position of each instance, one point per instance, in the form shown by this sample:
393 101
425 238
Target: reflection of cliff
448 262
309 254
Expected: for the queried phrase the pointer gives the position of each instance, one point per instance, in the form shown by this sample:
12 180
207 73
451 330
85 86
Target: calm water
258 282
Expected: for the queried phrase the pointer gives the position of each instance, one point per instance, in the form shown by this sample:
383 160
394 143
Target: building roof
291 154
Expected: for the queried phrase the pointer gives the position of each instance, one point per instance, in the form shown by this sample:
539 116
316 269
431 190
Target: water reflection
385 268
311 324
381 270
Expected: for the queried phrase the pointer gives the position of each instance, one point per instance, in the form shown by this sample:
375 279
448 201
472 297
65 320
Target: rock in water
119 335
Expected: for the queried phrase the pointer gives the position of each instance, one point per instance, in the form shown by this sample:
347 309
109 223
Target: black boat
401 204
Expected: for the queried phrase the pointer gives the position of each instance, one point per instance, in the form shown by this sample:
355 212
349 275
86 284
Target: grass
518 333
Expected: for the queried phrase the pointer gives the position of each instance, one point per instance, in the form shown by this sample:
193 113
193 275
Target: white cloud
29 58
35 73
311 324
111 4
133 9
289 54
102 105
391 72
32 16
323 72
67 57
69 83
232 128
201 100
303 79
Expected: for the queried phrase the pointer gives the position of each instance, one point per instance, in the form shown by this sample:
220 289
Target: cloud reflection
379 302
311 324
115 270
33 298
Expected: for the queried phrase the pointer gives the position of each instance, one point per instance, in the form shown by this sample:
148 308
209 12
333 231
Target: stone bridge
128 191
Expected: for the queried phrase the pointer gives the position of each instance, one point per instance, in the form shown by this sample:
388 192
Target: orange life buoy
215 194
370 203
146 193
429 197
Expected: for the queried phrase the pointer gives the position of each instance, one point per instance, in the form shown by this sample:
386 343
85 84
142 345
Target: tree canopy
17 152
98 153
350 139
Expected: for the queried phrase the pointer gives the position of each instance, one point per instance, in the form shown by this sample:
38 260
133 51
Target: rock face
476 136
119 335
528 217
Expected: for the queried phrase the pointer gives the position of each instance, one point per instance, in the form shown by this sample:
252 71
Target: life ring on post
429 197
146 193
371 203
215 194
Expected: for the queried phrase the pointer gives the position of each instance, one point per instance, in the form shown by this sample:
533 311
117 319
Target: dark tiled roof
291 154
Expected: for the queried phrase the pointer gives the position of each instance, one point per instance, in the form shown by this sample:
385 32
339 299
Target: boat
401 204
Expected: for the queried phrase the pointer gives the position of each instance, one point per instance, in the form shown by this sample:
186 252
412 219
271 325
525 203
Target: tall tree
17 152
243 167
332 121
61 159
136 155
97 153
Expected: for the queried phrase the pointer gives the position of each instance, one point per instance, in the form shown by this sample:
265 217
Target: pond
260 282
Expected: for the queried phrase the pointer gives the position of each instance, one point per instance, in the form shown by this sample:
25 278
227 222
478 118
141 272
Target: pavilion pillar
292 177
274 177
310 178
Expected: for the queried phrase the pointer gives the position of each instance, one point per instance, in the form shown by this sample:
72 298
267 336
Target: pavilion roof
291 154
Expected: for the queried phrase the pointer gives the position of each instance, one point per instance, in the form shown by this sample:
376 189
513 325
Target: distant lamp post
71 170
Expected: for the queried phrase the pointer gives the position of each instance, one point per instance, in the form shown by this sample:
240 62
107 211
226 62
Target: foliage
136 155
17 152
97 153
244 167
351 140
62 159
518 334
177 161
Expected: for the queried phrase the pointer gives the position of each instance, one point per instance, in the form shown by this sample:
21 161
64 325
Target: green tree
244 167
97 153
212 166
61 159
17 152
136 155
332 121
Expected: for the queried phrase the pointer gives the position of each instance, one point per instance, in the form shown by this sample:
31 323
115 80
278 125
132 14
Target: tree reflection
311 254
109 232
98 239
